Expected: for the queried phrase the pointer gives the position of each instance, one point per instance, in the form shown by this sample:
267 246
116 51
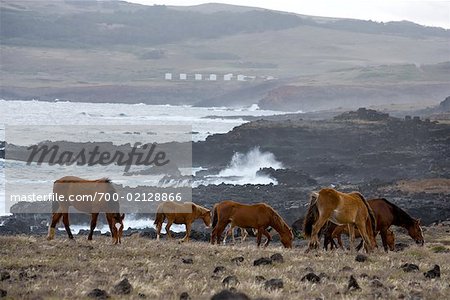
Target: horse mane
402 215
373 219
311 214
278 220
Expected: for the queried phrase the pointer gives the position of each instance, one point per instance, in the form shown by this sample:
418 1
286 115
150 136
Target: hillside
113 51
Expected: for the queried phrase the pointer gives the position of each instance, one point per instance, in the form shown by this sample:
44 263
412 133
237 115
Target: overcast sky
431 13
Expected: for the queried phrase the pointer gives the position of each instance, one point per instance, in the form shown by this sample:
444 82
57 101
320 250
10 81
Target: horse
297 229
180 213
88 196
258 216
230 232
342 229
340 208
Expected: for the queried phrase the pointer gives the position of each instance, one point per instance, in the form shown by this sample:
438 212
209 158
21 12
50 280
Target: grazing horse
340 208
88 196
257 216
180 213
342 229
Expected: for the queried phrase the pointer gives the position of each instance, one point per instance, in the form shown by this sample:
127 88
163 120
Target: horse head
206 217
415 231
117 228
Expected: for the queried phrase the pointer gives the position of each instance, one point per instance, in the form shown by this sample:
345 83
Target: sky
429 13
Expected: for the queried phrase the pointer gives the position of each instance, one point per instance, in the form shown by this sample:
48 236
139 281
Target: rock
347 269
237 260
401 246
230 295
277 258
361 258
188 261
185 296
219 269
273 284
123 287
3 293
311 277
352 284
260 278
98 294
376 283
433 273
230 281
142 295
410 267
262 261
4 275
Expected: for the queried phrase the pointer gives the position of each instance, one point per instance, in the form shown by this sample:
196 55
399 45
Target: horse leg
51 229
244 235
365 236
220 227
383 233
267 234
351 235
188 232
169 223
339 239
93 225
66 225
258 237
158 230
315 231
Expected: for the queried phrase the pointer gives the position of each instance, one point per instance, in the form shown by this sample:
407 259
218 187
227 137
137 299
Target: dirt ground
34 268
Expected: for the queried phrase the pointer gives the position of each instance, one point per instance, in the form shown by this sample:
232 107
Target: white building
168 76
198 77
212 77
241 77
227 77
183 76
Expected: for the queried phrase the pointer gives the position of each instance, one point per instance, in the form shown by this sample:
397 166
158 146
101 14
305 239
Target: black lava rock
262 261
238 260
361 258
352 284
4 275
219 269
123 287
433 273
230 281
230 295
274 284
410 267
277 258
311 277
188 261
98 294
185 296
3 293
260 278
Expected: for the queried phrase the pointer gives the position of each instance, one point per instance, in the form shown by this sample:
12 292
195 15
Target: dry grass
70 269
433 185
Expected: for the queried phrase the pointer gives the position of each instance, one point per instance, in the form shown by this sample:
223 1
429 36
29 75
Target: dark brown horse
257 216
88 196
343 209
388 214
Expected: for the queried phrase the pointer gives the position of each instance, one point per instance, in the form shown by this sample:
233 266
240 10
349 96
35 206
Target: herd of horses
330 213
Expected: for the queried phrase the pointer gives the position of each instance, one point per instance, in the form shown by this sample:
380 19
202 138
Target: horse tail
373 220
311 215
215 217
160 216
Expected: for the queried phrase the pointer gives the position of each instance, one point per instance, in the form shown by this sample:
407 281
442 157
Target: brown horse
342 229
388 214
88 196
258 216
180 213
340 208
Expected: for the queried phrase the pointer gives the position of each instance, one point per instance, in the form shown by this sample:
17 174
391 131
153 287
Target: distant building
212 77
227 77
198 76
241 77
168 76
183 76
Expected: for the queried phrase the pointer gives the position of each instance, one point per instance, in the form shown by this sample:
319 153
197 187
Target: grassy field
71 269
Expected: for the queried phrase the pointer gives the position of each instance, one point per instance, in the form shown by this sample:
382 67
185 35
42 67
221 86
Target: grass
70 269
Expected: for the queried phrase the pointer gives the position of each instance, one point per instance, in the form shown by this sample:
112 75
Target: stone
262 261
230 281
238 260
260 278
123 287
277 258
185 296
98 294
230 295
219 269
361 258
311 277
274 284
410 267
352 284
433 273
4 275
188 261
